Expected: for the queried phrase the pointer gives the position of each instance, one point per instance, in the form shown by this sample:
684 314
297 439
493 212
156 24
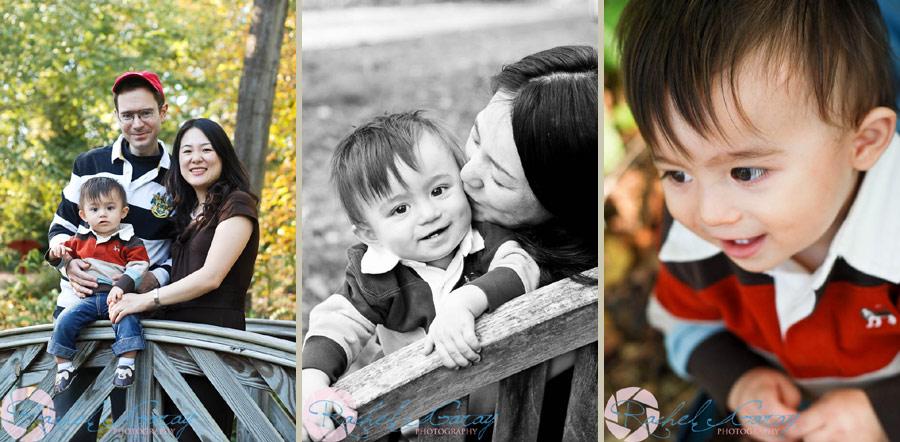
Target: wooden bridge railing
518 342
254 371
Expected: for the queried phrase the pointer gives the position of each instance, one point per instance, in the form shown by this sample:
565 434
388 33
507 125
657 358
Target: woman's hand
130 303
83 283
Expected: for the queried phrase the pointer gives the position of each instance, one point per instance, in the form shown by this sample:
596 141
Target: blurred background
367 58
57 67
633 352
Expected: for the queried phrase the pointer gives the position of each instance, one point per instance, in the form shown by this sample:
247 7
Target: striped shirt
838 327
121 253
148 202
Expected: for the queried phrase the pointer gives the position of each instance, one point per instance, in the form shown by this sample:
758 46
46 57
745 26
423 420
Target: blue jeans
129 334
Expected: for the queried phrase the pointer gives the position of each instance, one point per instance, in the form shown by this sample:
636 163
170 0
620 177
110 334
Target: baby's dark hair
96 188
365 161
676 53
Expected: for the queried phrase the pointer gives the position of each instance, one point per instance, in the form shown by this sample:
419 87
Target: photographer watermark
632 414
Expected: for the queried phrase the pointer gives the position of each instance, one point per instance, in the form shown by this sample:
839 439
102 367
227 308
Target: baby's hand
114 296
59 251
837 416
317 413
452 333
766 391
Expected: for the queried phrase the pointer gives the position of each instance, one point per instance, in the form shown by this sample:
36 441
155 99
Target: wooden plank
244 370
138 397
32 409
428 432
161 434
118 431
234 394
16 365
243 433
520 334
519 405
280 419
88 403
282 382
185 399
582 414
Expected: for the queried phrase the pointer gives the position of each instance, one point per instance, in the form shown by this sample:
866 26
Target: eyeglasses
146 115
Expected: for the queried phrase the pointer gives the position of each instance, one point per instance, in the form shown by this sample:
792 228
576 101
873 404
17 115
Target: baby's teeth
742 241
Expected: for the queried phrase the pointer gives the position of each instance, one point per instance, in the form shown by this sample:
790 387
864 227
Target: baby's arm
59 254
135 255
511 273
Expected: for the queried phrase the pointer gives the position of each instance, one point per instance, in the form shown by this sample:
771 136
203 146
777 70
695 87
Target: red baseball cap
149 77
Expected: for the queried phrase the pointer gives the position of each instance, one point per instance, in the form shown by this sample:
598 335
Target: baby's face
426 221
104 214
762 197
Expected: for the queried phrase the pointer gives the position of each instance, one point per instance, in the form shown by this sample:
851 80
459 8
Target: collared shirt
837 327
378 260
148 201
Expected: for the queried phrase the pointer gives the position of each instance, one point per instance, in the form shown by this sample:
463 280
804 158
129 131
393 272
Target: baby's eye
400 210
748 173
677 176
438 191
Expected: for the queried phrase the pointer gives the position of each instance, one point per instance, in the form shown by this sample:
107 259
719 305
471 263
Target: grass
447 74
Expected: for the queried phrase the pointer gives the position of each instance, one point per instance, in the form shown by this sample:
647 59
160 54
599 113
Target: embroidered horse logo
874 316
161 205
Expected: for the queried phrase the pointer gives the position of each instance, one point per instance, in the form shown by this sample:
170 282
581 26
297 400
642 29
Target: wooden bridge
254 371
519 341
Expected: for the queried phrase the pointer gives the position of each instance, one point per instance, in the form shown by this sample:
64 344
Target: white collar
117 154
378 260
125 232
868 239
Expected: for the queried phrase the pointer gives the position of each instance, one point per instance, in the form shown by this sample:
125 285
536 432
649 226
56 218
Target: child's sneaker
124 376
64 378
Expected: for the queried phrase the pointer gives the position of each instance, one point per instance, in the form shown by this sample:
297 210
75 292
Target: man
138 161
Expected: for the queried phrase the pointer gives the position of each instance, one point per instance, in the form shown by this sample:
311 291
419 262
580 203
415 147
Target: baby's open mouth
435 234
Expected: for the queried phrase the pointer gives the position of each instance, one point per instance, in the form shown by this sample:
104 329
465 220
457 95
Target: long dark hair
233 177
554 122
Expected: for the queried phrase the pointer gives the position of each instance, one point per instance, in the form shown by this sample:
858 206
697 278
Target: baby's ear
82 215
365 234
873 136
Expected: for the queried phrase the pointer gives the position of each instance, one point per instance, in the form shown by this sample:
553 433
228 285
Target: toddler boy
772 125
112 249
398 181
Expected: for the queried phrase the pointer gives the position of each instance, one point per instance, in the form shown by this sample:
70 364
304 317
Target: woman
533 158
533 162
215 217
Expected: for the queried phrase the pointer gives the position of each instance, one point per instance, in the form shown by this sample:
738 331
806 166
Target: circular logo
17 397
632 414
327 403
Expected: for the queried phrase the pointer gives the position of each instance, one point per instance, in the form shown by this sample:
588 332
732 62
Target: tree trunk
257 91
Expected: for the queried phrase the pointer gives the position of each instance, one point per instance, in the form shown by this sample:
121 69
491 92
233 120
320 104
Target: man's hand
839 415
83 283
452 333
114 295
776 395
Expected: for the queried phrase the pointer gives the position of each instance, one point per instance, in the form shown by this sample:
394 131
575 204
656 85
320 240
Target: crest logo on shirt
874 317
161 205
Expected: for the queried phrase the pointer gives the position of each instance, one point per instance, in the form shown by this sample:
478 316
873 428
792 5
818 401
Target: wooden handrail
255 373
525 332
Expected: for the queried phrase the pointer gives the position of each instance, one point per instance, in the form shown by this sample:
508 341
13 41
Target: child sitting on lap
423 267
772 125
112 249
